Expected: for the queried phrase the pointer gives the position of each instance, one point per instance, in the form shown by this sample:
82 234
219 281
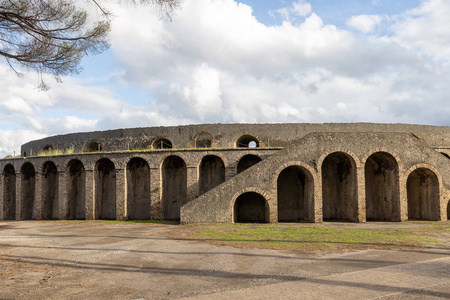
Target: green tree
52 36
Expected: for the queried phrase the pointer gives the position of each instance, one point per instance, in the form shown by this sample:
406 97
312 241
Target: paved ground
57 260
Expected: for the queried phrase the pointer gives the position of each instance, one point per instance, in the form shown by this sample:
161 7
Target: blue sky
225 61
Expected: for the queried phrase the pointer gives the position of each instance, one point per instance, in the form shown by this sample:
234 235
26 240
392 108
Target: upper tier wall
224 135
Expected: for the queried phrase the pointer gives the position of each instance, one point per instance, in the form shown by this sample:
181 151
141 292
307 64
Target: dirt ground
89 260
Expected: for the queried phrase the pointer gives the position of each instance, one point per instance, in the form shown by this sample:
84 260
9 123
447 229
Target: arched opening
76 190
138 189
162 143
28 184
47 150
247 141
446 155
339 193
211 173
246 162
9 192
423 195
382 188
105 189
174 193
448 210
295 192
250 207
203 140
50 197
94 146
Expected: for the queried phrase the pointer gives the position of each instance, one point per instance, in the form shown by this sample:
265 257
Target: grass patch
311 238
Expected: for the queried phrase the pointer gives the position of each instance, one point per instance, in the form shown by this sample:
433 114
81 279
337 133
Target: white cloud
364 23
300 8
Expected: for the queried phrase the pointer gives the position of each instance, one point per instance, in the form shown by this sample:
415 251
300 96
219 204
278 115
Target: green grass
316 238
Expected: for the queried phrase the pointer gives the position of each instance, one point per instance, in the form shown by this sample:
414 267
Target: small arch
211 173
76 189
94 146
203 140
28 189
246 162
162 143
295 194
174 191
382 187
105 189
250 207
138 189
50 191
448 210
423 195
445 154
9 192
339 187
247 141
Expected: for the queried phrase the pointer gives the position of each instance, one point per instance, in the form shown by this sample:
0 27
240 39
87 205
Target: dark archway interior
446 155
174 193
339 195
247 161
423 195
9 193
138 189
50 195
77 190
162 143
246 141
105 189
382 188
94 146
250 207
203 140
212 173
28 184
294 194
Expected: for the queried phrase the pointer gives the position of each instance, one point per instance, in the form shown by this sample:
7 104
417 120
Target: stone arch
295 194
105 189
50 191
203 139
382 187
94 146
247 141
211 173
28 190
246 162
9 192
251 207
76 190
174 191
138 189
339 187
162 143
423 195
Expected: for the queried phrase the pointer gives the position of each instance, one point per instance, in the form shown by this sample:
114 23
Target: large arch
9 192
247 141
382 187
138 189
250 207
211 173
174 192
246 162
423 195
50 191
295 192
339 187
28 190
76 189
105 189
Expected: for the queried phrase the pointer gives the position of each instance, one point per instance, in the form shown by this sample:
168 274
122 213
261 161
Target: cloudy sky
253 61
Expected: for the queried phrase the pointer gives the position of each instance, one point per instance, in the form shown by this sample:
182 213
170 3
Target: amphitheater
234 173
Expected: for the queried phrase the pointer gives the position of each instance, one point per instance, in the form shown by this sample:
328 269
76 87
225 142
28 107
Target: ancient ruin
234 173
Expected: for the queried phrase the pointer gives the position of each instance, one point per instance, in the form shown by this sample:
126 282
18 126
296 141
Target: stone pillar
38 196
155 194
90 195
230 171
121 194
192 183
318 200
361 194
63 196
403 196
18 196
